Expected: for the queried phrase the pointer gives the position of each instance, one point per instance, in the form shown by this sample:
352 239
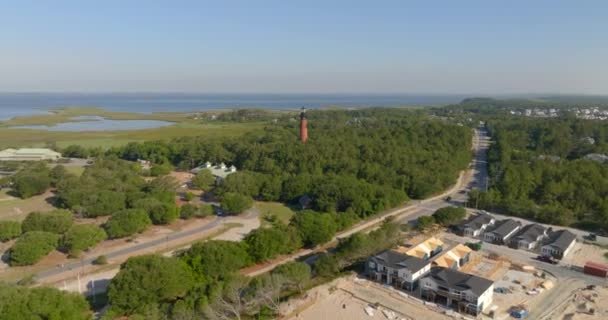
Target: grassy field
67 114
12 208
279 210
105 139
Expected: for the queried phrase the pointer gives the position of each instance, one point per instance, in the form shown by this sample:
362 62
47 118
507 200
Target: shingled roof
460 281
504 227
397 260
561 239
530 232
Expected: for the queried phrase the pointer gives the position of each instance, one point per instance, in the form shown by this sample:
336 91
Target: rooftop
397 260
460 281
530 232
561 239
423 249
448 258
478 221
504 227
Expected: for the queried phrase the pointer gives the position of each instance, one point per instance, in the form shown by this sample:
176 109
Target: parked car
546 259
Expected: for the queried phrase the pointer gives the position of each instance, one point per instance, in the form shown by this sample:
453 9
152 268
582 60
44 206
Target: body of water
22 104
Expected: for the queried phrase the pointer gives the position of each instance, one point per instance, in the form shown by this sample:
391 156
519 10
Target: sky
329 46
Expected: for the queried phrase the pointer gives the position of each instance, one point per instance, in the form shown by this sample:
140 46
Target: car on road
546 259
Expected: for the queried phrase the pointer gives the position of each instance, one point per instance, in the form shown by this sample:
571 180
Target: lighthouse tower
303 126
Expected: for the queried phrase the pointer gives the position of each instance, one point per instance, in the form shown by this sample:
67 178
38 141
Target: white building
29 154
529 237
477 225
559 244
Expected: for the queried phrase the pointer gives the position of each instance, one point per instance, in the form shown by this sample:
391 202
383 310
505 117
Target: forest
541 169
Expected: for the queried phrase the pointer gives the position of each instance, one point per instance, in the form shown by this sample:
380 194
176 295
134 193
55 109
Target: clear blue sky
305 46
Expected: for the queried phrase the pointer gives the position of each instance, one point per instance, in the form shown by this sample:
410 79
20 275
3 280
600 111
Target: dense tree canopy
33 180
315 228
9 230
203 180
80 237
41 303
32 246
56 221
235 203
145 281
449 215
214 259
267 243
127 222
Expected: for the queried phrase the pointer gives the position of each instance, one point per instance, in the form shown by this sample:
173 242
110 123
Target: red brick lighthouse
303 126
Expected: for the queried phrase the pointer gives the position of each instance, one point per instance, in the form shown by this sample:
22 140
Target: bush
188 211
101 260
75 151
127 222
188 196
9 230
161 169
267 243
204 210
145 281
56 221
425 222
31 247
203 180
326 266
32 183
314 227
449 215
18 302
235 203
215 259
103 203
81 237
159 212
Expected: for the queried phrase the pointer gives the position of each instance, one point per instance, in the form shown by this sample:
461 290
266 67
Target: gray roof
530 232
460 281
478 221
561 239
504 227
397 260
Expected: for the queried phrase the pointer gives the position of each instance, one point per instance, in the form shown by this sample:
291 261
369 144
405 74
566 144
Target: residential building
29 154
502 231
395 268
220 171
454 258
558 244
529 237
461 291
423 250
476 225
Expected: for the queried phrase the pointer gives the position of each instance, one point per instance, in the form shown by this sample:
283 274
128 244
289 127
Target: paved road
69 267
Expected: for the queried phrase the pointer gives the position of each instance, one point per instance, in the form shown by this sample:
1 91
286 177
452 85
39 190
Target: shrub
9 230
159 212
127 222
449 215
203 180
81 237
326 266
30 184
31 247
235 203
189 196
19 302
161 169
425 222
188 211
204 210
101 260
314 227
56 221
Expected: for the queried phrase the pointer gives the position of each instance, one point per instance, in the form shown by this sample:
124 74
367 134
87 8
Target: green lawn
38 138
279 210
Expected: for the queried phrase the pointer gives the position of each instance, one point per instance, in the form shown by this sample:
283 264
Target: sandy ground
584 305
12 208
346 298
581 253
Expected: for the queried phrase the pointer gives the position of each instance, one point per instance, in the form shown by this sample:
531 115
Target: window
372 265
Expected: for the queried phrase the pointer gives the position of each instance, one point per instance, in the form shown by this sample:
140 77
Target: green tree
161 169
159 212
203 180
296 274
146 281
449 215
326 266
127 222
29 184
9 230
75 151
216 259
187 211
17 302
81 237
425 222
56 221
315 228
234 203
267 243
32 246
